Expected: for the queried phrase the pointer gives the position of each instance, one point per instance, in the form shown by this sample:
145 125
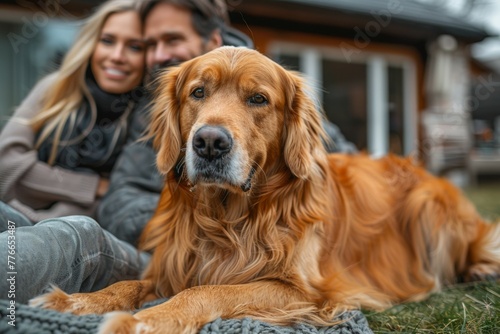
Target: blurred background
418 78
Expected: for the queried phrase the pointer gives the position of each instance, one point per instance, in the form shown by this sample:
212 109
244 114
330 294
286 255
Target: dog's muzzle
212 158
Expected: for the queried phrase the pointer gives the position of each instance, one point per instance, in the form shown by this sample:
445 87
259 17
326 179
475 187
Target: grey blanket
28 320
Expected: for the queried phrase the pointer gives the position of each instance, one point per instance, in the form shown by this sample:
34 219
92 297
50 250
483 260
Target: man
75 253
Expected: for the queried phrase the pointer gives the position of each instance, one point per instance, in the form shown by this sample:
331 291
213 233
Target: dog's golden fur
274 227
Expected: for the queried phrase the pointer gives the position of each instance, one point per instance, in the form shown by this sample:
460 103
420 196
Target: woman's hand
102 187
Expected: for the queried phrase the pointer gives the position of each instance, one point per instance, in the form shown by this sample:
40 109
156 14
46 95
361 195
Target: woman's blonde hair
69 89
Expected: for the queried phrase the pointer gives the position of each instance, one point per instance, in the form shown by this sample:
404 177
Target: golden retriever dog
257 220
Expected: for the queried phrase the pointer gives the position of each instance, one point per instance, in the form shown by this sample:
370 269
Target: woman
59 147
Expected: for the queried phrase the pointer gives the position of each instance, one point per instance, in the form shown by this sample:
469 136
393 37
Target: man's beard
161 68
158 69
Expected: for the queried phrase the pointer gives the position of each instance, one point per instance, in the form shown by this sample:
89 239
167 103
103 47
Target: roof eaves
404 11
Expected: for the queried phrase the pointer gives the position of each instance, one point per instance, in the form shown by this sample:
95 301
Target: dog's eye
198 93
257 99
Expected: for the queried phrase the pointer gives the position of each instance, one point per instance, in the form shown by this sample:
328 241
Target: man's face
171 38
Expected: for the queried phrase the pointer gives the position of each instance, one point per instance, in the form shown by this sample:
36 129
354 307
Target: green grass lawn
464 308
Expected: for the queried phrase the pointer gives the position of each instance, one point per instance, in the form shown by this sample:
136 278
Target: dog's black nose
211 142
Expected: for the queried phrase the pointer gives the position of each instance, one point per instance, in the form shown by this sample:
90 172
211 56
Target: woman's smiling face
118 59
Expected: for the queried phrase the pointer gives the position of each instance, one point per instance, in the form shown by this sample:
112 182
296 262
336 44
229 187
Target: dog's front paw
126 323
58 300
146 322
55 299
122 323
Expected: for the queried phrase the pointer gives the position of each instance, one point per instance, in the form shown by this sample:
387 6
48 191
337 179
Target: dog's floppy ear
164 127
303 130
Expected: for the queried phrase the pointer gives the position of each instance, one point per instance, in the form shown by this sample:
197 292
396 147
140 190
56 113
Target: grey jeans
7 213
73 253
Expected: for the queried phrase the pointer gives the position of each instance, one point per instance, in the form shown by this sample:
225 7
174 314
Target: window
344 99
396 110
29 53
371 99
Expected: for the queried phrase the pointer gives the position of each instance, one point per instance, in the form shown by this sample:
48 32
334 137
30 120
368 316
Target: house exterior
394 75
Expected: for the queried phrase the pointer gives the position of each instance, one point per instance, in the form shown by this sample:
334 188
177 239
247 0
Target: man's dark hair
207 15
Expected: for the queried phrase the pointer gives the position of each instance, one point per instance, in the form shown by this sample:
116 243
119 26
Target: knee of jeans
82 225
